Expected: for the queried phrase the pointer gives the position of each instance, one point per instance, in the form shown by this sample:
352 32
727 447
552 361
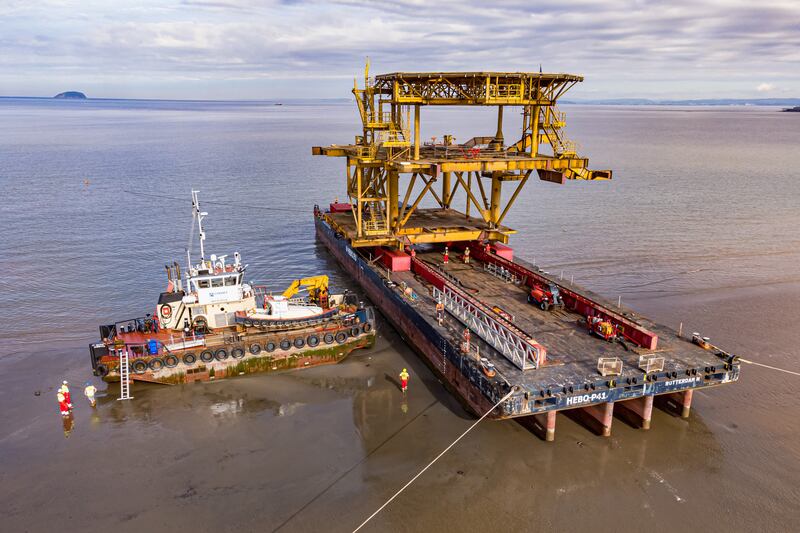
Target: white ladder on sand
124 376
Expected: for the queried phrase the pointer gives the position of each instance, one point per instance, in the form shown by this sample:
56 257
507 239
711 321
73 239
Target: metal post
416 132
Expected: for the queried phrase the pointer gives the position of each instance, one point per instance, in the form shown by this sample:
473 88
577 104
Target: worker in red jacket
62 403
64 389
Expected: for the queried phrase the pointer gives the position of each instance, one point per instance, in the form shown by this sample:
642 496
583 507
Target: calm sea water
699 225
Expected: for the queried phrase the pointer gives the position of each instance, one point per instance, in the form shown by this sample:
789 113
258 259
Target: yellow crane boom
314 284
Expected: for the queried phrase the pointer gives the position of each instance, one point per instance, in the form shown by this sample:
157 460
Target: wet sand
321 449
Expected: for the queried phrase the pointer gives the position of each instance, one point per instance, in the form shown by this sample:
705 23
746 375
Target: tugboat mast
200 215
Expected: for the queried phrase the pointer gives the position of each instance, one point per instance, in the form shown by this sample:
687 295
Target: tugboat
210 324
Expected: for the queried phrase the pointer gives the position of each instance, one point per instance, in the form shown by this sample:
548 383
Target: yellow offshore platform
388 159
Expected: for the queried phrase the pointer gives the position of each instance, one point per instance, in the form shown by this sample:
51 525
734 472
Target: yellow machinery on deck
389 150
317 287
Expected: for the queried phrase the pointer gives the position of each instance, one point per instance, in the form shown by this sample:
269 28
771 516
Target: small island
795 109
72 95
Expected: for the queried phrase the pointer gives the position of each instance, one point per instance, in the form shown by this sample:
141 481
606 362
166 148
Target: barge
210 324
487 323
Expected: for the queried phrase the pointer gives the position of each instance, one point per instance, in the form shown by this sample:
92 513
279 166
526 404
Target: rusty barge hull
568 380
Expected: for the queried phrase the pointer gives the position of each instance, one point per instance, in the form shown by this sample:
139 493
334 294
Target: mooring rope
404 487
770 367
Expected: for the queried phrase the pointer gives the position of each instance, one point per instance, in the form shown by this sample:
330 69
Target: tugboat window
203 284
230 281
217 282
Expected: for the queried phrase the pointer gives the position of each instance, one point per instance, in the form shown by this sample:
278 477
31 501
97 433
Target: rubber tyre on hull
139 366
101 371
156 364
237 353
247 323
328 338
221 354
171 361
189 359
367 327
270 347
255 348
285 344
543 306
299 342
341 337
355 331
312 341
206 356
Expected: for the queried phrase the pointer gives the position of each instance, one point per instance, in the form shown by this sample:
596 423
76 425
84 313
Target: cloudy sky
277 49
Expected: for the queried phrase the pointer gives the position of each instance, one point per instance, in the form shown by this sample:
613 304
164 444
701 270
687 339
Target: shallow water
699 226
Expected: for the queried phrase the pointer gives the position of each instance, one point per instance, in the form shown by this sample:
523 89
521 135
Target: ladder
124 376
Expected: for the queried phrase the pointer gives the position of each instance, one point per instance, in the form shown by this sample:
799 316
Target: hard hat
404 370
64 382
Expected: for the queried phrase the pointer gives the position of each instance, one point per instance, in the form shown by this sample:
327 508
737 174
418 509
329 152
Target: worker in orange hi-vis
439 311
446 256
404 380
466 255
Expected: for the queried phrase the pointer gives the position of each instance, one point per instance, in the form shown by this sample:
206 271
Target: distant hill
705 101
73 95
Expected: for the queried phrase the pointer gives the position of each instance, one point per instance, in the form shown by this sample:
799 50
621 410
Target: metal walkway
516 346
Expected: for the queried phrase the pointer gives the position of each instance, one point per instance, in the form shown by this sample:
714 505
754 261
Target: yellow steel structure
314 284
389 149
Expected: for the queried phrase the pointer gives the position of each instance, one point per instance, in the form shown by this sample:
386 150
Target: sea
698 229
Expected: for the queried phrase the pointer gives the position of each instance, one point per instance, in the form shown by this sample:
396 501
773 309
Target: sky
249 49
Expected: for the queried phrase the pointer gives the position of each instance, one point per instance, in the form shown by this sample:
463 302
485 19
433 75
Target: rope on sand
396 494
770 367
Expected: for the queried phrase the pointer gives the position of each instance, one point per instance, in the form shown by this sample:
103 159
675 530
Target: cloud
643 48
765 88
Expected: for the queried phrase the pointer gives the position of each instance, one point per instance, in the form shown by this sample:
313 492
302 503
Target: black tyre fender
543 306
101 370
285 344
355 331
270 347
171 361
206 356
255 348
221 354
312 340
189 359
139 366
237 353
328 338
367 327
299 342
248 323
156 364
341 337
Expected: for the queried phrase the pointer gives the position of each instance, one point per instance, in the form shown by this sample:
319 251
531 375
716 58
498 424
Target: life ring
139 366
237 353
270 347
328 338
221 354
156 364
367 327
354 331
189 359
312 340
166 311
206 356
299 342
101 370
341 337
255 348
285 344
171 361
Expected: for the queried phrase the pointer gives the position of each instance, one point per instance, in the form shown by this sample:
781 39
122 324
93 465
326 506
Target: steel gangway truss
516 346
